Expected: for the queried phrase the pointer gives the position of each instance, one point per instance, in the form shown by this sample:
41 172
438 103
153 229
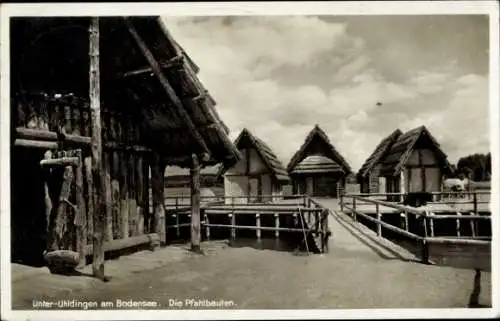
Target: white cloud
241 61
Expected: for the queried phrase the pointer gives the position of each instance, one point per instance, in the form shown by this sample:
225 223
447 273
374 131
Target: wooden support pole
379 218
90 198
407 227
457 222
257 223
139 195
341 202
431 223
475 201
472 223
115 182
81 216
354 208
48 199
158 185
195 205
177 226
277 225
233 226
96 150
207 229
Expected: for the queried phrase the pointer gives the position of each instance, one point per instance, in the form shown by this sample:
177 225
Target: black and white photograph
261 161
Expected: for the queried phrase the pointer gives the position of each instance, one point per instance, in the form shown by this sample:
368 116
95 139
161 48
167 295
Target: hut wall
423 172
256 164
235 185
373 184
267 188
36 121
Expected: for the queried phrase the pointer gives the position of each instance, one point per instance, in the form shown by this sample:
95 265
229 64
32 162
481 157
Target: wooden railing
303 212
426 219
469 197
185 200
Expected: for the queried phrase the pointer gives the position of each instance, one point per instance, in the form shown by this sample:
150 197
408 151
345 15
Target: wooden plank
57 229
257 223
96 150
64 161
263 228
195 204
121 244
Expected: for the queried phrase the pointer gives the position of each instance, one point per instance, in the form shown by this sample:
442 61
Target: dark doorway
28 220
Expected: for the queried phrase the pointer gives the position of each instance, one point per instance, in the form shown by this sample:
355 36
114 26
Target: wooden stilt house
92 133
259 174
369 174
317 168
413 163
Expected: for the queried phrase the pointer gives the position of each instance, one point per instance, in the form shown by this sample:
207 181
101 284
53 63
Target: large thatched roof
317 135
144 73
379 153
316 164
247 140
403 147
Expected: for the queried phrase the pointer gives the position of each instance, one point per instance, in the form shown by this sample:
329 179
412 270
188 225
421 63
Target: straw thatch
247 140
379 153
144 73
316 164
322 147
403 147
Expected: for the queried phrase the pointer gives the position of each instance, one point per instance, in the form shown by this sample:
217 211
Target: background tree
476 167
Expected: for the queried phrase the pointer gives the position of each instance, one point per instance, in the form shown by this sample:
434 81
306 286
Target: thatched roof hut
259 174
407 162
368 175
317 168
120 83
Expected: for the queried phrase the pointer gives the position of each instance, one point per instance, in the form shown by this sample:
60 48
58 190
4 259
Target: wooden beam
172 63
195 205
165 84
81 216
64 161
98 173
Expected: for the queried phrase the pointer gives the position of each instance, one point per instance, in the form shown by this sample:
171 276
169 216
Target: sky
279 76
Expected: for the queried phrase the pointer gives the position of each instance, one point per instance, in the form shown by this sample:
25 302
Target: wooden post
96 149
257 222
195 204
207 229
379 218
341 202
177 225
472 225
457 221
476 290
277 225
431 223
157 177
81 219
90 198
48 199
232 216
425 244
475 201
139 195
407 228
123 180
354 208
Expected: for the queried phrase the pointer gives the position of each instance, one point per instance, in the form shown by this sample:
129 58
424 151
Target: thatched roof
327 150
403 147
247 140
379 153
316 164
174 171
144 73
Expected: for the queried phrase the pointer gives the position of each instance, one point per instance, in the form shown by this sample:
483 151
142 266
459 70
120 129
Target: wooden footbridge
450 231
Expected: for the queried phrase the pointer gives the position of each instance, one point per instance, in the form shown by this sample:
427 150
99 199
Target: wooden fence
425 237
305 216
